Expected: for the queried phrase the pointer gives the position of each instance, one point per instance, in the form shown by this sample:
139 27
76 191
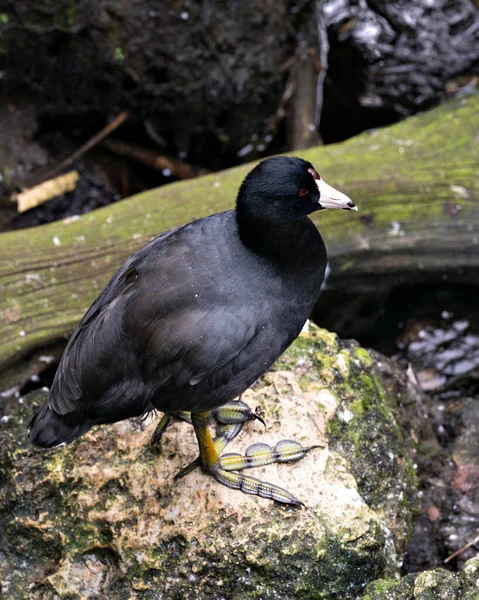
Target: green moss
363 356
429 447
365 431
380 590
5 171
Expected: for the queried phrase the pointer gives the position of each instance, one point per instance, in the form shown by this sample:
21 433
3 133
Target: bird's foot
253 486
222 467
259 455
229 418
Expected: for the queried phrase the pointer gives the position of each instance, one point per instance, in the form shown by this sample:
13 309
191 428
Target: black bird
192 319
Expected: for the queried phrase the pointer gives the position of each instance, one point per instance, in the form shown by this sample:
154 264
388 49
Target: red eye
314 173
303 192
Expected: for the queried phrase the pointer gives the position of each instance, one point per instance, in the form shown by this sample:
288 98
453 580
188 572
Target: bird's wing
98 330
93 335
162 319
190 345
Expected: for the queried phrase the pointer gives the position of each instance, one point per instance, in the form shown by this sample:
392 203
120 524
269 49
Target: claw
259 418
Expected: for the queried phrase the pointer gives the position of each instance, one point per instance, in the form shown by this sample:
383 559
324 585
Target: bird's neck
284 241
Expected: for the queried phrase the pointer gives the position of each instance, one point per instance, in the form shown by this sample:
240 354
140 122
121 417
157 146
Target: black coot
192 319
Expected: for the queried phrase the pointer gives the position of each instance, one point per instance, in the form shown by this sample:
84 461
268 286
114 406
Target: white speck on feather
216 184
22 333
56 241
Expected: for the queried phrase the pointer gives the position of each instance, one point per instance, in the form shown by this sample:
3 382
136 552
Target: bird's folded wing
168 344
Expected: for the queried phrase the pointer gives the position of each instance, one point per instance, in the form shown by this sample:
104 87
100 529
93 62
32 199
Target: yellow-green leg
163 425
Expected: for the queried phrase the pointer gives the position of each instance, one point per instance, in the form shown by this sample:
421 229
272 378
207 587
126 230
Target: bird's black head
285 187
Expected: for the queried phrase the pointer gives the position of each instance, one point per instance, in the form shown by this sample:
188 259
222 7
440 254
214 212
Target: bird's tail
48 429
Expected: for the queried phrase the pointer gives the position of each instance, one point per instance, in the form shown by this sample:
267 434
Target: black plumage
197 315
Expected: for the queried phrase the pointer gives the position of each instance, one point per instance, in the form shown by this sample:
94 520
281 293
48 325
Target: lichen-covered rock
430 585
104 518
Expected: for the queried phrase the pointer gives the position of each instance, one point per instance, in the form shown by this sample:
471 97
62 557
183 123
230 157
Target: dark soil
212 88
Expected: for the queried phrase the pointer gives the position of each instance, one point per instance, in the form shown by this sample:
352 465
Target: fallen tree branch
403 178
150 158
96 139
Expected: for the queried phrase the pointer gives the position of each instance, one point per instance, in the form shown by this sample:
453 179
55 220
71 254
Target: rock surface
430 585
104 518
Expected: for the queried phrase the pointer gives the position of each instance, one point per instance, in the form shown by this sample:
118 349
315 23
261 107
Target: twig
468 545
148 157
45 191
98 137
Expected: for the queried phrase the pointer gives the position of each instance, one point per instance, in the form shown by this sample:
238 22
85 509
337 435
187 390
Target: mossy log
415 183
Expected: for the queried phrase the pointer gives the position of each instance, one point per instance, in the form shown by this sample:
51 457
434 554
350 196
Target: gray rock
430 585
